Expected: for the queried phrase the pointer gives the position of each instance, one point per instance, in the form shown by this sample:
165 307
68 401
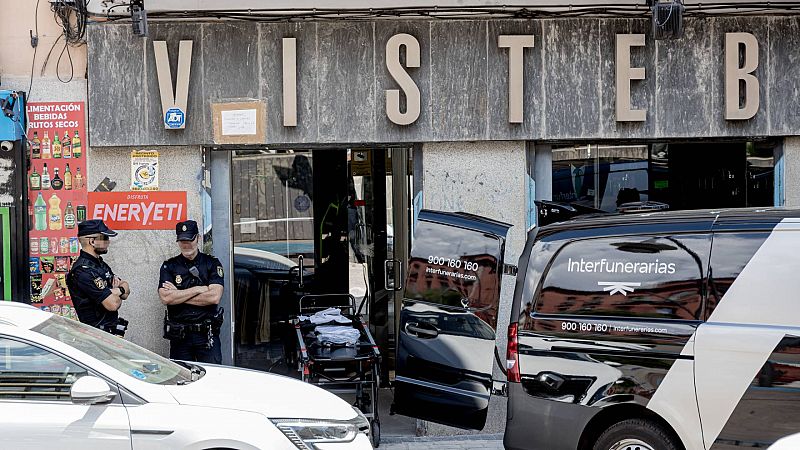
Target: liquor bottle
56 147
36 146
45 178
46 146
69 217
57 182
67 178
76 145
40 213
78 179
54 214
36 180
66 146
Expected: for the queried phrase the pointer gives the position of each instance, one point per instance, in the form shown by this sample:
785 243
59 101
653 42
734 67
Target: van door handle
551 380
414 329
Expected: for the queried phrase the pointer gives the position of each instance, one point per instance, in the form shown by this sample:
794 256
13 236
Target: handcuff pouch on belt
117 327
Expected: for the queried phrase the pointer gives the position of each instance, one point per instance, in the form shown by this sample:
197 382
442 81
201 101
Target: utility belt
116 327
174 329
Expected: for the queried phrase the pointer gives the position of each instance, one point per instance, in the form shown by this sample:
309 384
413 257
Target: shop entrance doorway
321 221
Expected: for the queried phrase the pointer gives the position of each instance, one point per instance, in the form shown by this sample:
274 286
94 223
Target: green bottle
40 213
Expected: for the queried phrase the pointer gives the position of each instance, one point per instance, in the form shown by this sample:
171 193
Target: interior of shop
309 223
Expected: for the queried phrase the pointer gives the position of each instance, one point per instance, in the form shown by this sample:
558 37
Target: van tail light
512 354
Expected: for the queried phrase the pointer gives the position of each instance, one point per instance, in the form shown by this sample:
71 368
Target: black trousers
194 348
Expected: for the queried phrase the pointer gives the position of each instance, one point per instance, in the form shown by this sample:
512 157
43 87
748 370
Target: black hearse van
655 331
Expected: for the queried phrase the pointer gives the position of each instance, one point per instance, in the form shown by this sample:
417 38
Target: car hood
272 395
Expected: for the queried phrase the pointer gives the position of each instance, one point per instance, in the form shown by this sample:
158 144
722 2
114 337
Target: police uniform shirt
176 270
89 283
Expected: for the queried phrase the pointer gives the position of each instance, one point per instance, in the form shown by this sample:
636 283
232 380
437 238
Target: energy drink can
81 213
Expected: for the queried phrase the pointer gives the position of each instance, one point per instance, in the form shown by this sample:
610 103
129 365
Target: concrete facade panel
137 255
532 93
387 131
685 83
271 69
196 129
459 97
346 87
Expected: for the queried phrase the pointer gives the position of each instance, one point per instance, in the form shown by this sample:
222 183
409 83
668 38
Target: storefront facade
284 123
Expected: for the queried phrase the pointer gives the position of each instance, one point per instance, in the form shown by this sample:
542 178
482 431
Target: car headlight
304 433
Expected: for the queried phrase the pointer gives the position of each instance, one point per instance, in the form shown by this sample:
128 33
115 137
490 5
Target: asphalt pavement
482 442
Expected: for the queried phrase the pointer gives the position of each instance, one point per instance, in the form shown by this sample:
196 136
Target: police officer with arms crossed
191 287
96 292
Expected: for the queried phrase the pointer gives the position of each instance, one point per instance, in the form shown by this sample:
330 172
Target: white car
67 383
788 443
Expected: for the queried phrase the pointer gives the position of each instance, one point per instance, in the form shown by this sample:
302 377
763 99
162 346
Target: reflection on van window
732 251
642 276
455 267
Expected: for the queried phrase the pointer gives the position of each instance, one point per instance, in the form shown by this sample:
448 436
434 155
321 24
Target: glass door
274 258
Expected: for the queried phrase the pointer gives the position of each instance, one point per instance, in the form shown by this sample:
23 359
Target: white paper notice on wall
239 122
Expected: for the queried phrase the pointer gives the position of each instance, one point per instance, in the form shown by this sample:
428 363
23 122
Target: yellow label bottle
67 179
54 214
56 147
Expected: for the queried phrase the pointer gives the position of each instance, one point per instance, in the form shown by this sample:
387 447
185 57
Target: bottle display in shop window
40 213
45 178
56 146
36 180
57 183
56 221
67 178
69 218
36 146
76 145
78 179
46 146
66 146
58 197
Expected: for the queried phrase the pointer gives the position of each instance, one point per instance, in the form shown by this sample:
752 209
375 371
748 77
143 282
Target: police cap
94 226
187 230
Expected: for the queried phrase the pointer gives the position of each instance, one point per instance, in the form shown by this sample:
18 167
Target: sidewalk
473 442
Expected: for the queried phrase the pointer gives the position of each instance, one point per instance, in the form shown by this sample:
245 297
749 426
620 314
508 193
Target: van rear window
658 277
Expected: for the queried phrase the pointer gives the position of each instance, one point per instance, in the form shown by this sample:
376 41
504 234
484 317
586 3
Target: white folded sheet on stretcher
326 316
337 334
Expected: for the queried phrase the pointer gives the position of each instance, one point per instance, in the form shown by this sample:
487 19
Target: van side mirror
89 390
393 275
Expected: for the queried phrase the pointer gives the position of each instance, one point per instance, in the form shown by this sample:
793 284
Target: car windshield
118 353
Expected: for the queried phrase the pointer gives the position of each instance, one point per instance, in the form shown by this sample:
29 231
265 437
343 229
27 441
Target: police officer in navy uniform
96 292
191 287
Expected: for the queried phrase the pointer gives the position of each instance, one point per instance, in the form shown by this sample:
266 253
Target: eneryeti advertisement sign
158 210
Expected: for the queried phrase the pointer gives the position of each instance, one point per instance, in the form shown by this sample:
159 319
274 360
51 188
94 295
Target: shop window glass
629 276
729 174
31 373
600 176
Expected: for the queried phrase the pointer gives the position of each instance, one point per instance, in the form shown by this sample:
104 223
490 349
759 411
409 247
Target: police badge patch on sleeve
220 272
100 283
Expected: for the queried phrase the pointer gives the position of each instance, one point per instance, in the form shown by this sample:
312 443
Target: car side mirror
89 390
